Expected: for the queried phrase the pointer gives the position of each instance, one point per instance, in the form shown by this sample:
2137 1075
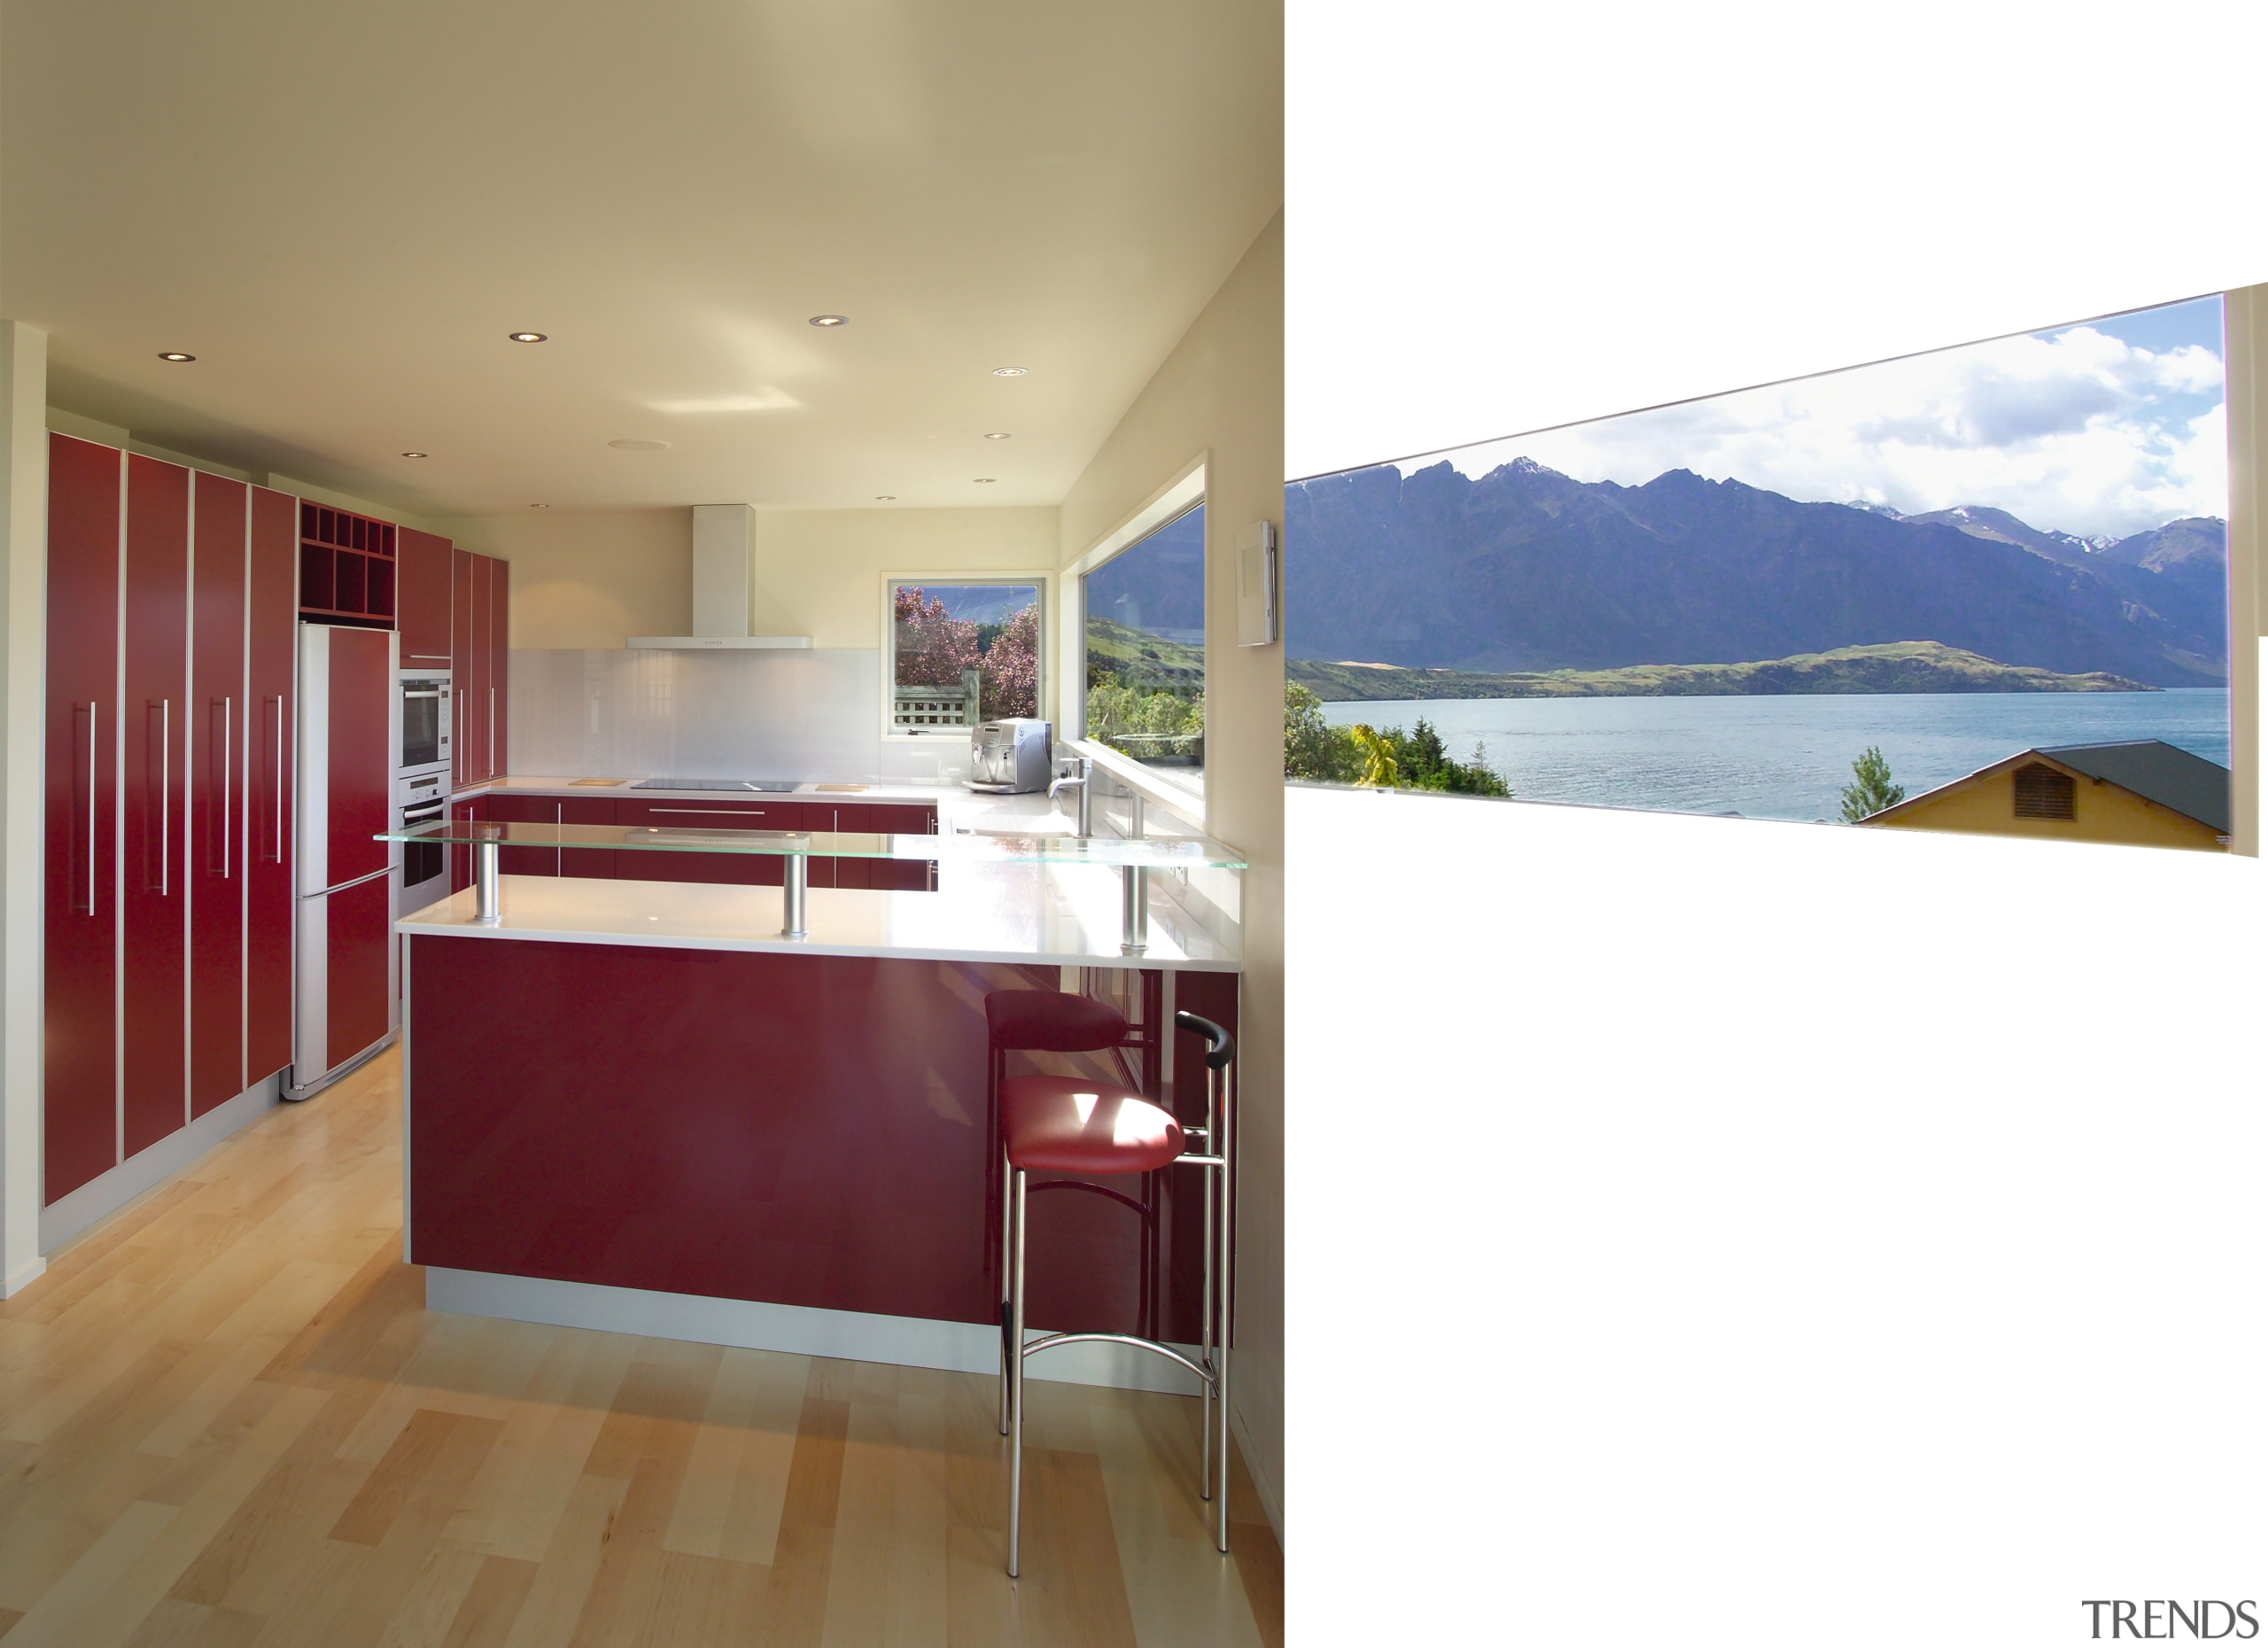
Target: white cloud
2074 430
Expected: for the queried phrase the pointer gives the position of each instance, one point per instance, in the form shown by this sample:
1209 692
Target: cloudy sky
2106 428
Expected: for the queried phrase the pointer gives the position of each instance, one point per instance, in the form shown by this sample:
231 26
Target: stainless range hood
724 546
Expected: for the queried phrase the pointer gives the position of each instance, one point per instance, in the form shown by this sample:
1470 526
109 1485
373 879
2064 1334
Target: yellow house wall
2106 813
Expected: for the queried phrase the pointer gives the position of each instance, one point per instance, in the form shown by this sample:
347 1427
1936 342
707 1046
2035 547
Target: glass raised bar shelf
1133 859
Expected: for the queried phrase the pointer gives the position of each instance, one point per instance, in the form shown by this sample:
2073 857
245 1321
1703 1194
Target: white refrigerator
345 1006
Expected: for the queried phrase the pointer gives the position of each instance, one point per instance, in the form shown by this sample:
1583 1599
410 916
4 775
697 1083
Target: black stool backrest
1224 1046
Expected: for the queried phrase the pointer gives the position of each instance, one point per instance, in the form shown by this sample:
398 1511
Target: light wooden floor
226 1419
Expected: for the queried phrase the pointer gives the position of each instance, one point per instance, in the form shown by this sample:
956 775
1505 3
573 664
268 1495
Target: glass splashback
1186 854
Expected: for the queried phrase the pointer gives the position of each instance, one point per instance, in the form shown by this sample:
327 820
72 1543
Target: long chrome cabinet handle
491 732
166 804
722 812
277 856
228 770
94 763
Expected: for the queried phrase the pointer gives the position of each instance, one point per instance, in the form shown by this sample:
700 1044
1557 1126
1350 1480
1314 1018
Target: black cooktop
768 786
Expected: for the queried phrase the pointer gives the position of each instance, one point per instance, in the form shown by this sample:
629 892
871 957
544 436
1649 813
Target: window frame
955 579
1187 490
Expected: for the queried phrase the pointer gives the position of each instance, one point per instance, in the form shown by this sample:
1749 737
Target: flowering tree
1010 672
934 648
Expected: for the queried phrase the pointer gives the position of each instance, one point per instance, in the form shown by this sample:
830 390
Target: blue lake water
1782 758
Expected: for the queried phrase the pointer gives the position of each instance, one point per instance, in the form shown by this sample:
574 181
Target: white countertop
1065 915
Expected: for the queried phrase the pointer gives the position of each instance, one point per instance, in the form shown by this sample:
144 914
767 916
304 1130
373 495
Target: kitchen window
1143 645
962 653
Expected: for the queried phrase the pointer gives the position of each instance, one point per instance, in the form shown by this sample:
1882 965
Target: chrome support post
1224 1143
484 909
1133 909
795 886
1016 1367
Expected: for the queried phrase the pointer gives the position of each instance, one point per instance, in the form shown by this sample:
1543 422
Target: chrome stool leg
1016 1369
1008 1242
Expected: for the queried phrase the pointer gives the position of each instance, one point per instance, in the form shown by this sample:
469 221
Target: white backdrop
1506 216
1795 1234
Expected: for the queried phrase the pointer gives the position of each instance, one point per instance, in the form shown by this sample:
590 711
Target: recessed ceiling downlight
830 320
538 506
987 480
1008 372
173 354
529 337
417 454
885 497
1002 435
639 446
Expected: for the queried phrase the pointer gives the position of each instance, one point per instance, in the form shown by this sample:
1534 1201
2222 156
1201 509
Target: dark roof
2156 770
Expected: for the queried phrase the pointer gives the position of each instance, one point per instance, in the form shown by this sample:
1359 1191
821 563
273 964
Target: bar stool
1063 1125
1042 1021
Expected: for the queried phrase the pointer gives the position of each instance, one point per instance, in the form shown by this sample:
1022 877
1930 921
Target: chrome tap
1079 780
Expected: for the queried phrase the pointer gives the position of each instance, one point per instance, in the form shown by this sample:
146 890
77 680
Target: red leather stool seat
1064 1124
1046 1020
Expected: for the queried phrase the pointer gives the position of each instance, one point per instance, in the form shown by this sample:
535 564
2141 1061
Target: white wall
1854 1235
588 578
1805 1235
23 830
1219 397
819 572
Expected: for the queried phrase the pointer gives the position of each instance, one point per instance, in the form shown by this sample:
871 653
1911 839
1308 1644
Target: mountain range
1526 569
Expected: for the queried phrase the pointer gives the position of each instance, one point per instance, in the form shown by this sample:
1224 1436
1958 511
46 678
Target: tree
1009 675
1313 748
1872 791
1381 767
934 648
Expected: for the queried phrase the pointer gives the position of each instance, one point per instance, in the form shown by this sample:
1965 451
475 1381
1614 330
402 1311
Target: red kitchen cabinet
80 1097
589 863
360 997
469 669
347 567
499 628
524 810
472 811
169 899
271 692
888 819
217 730
425 580
152 811
736 869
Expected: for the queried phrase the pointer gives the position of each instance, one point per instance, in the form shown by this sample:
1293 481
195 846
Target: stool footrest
1139 1343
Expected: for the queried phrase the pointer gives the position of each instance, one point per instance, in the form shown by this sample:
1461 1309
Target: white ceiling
341 209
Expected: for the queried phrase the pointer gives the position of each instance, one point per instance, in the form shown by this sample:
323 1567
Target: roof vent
2044 793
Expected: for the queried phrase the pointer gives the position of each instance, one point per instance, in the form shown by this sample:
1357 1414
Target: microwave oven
425 721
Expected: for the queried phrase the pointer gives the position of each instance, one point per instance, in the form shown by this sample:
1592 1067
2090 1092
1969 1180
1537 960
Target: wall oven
422 798
425 721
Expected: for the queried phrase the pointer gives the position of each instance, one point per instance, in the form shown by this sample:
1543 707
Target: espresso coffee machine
1010 758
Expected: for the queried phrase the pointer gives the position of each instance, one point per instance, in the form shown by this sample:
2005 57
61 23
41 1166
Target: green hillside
1897 666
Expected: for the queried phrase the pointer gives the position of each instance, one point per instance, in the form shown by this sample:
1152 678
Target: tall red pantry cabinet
172 607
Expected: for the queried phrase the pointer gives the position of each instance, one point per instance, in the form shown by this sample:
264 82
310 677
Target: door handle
722 812
94 764
491 732
227 771
162 884
275 856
